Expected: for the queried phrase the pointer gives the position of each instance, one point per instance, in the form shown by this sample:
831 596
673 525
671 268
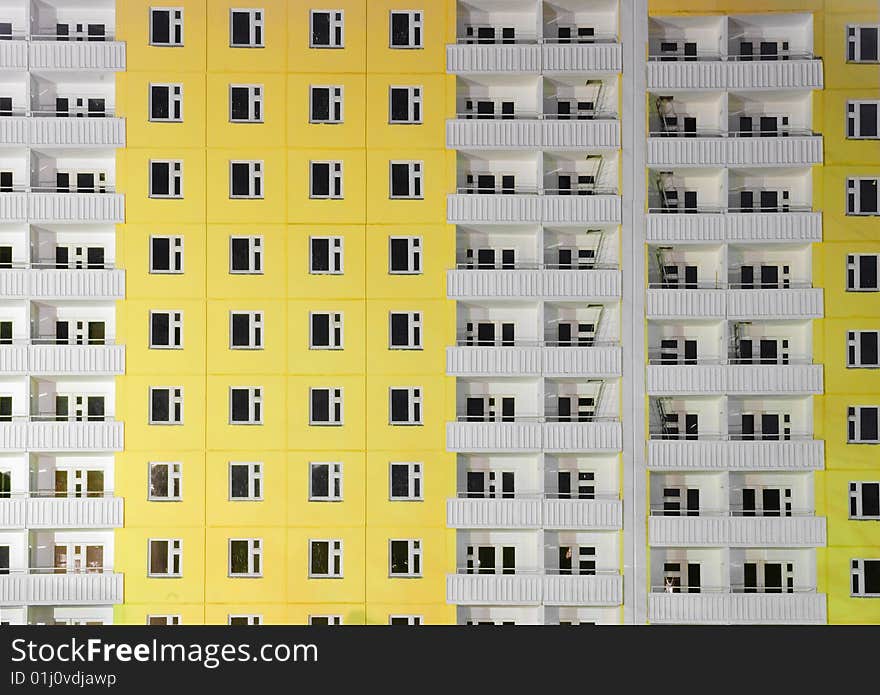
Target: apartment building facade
475 312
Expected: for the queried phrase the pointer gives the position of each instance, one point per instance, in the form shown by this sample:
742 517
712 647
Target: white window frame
414 474
410 619
414 396
255 332
256 190
852 189
251 618
335 97
335 395
854 118
255 250
336 321
335 252
174 550
174 477
170 619
416 181
416 19
852 40
254 558
335 474
175 250
852 266
334 23
331 619
413 99
175 325
856 494
255 103
255 405
414 253
335 549
256 16
175 399
175 175
414 330
175 99
857 571
254 482
172 22
853 417
854 346
335 174
414 556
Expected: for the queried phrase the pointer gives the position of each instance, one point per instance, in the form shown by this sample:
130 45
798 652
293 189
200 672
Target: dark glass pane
159 329
239 482
399 254
321 104
321 179
320 558
241 28
161 26
321 29
867 271
161 248
159 405
159 183
320 480
400 481
868 423
320 330
320 405
400 179
868 120
240 330
241 179
320 255
399 329
238 557
399 29
240 103
868 43
399 405
159 106
399 104
240 405
870 499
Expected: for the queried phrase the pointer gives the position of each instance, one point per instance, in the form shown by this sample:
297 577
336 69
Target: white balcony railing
475 208
537 284
736 531
721 608
76 207
798 150
13 55
743 75
60 512
751 227
599 361
77 55
62 359
533 58
45 283
734 379
479 134
37 435
709 455
45 588
533 436
805 303
533 512
604 589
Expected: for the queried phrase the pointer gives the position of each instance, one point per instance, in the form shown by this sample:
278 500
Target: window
861 196
406 29
405 105
405 255
245 330
246 255
166 178
325 104
325 482
865 575
246 179
246 28
405 558
245 481
325 558
325 255
166 254
863 119
325 331
325 406
328 29
863 424
245 405
166 405
166 102
406 180
406 481
405 328
326 180
861 349
166 557
166 482
864 500
166 26
325 620
861 43
164 620
861 272
245 557
245 619
166 330
404 620
246 103
405 406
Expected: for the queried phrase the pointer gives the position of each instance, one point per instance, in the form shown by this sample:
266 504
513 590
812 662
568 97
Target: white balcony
13 358
530 134
737 531
14 130
533 58
29 435
709 455
76 132
13 206
581 590
533 361
476 208
20 588
77 55
804 303
524 513
734 379
76 359
741 75
737 609
533 436
534 589
746 227
546 284
76 207
735 151
13 55
60 512
45 283
581 58
697 304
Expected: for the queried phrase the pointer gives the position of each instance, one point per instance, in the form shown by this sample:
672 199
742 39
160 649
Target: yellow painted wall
285 292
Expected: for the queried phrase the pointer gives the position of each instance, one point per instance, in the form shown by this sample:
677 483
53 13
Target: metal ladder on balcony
666 112
666 189
597 96
661 411
596 162
661 264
